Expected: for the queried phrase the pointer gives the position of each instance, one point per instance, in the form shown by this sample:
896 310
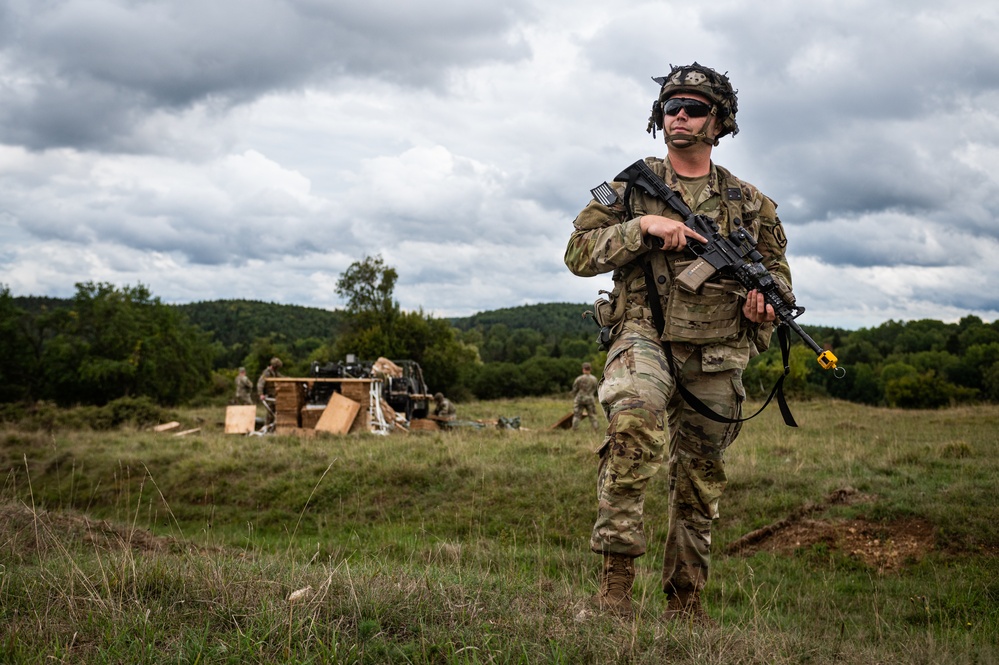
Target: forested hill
242 321
235 321
549 319
40 304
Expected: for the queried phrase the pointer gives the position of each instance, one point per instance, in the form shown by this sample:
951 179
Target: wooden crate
292 414
310 415
359 390
290 396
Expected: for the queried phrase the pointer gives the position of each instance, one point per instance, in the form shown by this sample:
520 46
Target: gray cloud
255 149
86 71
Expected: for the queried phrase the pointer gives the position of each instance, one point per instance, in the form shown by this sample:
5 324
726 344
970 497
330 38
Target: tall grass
471 546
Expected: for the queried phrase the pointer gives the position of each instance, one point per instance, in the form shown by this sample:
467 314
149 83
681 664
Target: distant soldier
584 398
244 388
443 408
265 389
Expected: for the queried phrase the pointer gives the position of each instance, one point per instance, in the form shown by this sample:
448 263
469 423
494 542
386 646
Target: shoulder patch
604 194
779 235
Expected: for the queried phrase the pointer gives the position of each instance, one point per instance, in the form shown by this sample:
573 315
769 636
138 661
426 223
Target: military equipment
405 394
734 254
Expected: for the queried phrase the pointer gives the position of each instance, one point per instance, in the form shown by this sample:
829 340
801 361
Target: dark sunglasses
692 107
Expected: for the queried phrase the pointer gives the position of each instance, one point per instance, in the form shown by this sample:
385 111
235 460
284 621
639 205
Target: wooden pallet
564 423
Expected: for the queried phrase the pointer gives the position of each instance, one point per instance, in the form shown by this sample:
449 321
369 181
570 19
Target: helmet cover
704 81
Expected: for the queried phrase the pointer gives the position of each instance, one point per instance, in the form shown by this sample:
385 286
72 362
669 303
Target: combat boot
616 579
686 606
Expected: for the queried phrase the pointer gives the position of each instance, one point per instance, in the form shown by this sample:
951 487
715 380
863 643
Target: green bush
924 391
136 412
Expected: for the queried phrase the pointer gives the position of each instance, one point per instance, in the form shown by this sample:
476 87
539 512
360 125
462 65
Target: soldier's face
681 123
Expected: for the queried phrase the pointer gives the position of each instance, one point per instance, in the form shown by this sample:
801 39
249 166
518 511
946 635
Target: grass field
864 536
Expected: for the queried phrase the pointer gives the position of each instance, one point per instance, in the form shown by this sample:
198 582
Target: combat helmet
704 81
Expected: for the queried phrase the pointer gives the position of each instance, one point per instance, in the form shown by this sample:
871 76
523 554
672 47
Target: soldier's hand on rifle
674 233
756 308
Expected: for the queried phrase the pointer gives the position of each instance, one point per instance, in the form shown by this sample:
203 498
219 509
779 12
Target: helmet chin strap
682 141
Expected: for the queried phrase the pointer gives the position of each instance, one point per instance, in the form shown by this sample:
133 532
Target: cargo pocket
618 379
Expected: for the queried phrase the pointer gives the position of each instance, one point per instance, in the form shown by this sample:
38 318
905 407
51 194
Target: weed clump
956 450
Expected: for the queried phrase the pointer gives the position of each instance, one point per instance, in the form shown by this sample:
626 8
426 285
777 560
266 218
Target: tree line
111 342
104 344
907 364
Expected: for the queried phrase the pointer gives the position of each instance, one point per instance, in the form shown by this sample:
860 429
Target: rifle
735 254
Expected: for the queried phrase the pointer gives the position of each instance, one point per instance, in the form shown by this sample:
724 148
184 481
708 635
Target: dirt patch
24 531
885 547
882 546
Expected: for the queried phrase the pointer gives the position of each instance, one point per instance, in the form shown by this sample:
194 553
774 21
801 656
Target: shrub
48 416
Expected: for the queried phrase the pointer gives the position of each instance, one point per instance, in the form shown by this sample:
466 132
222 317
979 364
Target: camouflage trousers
639 395
584 407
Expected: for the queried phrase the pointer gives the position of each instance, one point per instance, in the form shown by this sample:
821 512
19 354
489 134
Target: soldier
584 398
244 388
267 390
443 408
272 371
707 339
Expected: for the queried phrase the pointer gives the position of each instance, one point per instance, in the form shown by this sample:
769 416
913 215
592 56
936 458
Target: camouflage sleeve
603 240
772 242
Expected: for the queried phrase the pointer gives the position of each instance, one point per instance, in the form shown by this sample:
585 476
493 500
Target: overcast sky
254 149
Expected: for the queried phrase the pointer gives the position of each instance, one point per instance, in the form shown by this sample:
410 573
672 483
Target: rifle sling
692 399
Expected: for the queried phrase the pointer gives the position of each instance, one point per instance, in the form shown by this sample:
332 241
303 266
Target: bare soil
25 532
883 546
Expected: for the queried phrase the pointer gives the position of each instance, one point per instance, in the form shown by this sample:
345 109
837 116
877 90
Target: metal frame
268 428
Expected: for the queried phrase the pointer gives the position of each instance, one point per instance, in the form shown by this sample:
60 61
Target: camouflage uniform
244 388
584 390
711 343
444 408
267 389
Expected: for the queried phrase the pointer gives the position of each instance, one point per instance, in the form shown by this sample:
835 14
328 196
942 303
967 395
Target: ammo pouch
710 315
